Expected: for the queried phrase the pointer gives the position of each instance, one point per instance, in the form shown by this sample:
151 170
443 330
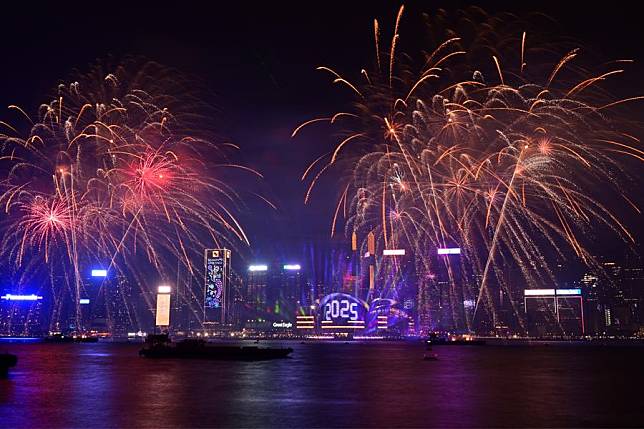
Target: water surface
326 385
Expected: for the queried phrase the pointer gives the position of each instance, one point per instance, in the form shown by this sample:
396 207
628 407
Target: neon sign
450 251
285 325
393 252
569 291
11 297
539 292
342 309
99 273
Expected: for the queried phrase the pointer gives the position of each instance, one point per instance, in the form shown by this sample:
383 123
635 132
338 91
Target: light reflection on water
19 340
329 385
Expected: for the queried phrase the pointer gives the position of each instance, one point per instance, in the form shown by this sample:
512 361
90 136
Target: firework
116 171
514 166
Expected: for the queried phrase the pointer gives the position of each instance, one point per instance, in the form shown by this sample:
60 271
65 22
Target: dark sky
260 59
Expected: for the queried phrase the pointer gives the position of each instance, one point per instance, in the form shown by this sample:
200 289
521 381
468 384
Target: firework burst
116 172
505 164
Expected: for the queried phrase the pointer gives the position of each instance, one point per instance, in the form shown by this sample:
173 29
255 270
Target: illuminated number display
342 310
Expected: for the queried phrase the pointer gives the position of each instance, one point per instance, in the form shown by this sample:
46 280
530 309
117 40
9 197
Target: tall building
554 312
120 313
371 257
256 295
97 288
540 316
21 315
275 292
105 305
238 297
216 289
634 287
428 302
570 312
615 294
291 290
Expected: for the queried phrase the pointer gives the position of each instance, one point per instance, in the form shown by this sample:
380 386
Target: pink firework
117 170
46 221
149 177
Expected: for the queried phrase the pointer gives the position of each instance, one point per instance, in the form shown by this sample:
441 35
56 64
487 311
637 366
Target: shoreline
489 341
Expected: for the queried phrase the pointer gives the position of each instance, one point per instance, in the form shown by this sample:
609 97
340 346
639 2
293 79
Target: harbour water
384 384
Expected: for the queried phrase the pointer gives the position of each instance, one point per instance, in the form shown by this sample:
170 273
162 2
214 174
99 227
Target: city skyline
285 292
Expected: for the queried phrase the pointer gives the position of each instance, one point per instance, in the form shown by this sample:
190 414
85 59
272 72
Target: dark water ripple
326 385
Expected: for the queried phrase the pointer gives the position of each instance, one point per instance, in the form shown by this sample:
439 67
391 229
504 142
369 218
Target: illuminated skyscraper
119 308
371 250
351 282
615 294
634 287
98 289
291 288
554 312
256 289
216 293
275 292
21 315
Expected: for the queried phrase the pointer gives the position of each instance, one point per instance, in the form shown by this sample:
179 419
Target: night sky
259 60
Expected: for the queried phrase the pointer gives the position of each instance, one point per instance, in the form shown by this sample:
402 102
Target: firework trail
510 154
117 172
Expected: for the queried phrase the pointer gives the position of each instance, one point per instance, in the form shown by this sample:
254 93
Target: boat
7 361
58 338
160 346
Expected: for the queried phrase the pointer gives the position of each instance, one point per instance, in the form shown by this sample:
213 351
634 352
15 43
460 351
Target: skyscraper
120 313
256 289
554 312
615 293
216 293
21 315
291 289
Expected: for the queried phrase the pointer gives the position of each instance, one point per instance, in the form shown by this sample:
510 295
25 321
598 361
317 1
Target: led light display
393 252
450 251
539 292
565 292
217 263
12 297
163 309
342 311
